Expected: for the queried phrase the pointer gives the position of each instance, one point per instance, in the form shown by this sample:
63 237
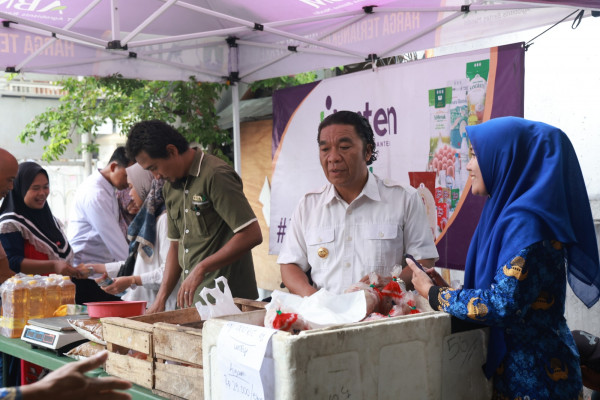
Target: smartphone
410 257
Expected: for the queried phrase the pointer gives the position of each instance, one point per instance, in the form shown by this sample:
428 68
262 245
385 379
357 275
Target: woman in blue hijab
536 223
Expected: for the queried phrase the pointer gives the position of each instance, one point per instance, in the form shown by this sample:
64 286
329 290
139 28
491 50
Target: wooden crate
178 381
170 335
182 343
124 334
140 372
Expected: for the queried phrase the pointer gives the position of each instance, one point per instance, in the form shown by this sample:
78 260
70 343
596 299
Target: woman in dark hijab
33 239
535 233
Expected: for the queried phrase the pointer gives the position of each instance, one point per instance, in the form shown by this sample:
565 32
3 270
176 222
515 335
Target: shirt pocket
320 248
381 246
175 216
204 219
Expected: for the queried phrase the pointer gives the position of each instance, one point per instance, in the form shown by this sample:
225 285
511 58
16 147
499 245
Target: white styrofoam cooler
407 357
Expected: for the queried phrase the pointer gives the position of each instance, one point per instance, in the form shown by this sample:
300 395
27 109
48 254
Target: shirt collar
104 182
197 163
370 190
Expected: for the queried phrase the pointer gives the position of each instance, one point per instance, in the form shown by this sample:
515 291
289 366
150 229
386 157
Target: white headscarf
141 179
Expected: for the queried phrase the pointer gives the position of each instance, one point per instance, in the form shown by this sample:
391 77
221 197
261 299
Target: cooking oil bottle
53 296
37 297
67 291
15 309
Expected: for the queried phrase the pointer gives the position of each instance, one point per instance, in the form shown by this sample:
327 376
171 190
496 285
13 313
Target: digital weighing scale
53 333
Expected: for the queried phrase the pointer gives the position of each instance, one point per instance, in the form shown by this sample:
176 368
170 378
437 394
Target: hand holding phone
410 257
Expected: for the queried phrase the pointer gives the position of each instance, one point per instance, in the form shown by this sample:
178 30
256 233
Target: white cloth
151 271
371 234
94 231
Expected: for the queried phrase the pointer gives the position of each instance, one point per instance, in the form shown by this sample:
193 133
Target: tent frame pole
235 103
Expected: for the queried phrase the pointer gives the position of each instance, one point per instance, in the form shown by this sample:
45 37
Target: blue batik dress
527 301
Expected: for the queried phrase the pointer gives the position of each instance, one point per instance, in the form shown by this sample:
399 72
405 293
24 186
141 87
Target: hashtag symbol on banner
281 230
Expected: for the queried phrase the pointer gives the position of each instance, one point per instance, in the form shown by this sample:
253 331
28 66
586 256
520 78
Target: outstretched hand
62 267
119 285
70 382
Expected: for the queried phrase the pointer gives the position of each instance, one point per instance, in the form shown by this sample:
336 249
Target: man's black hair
153 137
361 126
120 157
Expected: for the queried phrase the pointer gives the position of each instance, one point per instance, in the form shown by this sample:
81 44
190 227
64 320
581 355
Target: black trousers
87 291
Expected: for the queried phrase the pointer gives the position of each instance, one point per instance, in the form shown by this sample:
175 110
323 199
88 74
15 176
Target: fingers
91 362
108 383
102 278
180 298
183 296
412 266
74 272
109 289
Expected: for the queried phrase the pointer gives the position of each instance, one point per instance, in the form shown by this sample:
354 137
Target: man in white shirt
94 232
357 223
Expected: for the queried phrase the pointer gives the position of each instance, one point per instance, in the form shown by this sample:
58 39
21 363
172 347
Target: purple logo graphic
384 120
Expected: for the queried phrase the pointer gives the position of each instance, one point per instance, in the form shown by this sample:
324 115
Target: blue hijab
537 192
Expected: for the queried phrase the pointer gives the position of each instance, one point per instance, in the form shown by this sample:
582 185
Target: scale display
48 339
51 336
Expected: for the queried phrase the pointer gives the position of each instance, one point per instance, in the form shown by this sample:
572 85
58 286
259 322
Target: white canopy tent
247 40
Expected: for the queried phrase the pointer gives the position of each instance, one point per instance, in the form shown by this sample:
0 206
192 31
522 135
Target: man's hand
70 382
185 296
295 280
62 267
157 306
91 269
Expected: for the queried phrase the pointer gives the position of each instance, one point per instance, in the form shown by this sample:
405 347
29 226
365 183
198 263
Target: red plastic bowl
101 309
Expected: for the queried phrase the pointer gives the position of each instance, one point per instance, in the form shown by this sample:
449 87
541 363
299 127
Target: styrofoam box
407 357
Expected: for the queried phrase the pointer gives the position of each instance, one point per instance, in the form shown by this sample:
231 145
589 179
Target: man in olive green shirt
211 225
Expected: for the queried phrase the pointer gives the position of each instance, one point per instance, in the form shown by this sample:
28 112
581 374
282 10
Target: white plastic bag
223 305
322 308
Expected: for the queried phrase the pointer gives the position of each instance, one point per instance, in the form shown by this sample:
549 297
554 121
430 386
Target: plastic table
48 359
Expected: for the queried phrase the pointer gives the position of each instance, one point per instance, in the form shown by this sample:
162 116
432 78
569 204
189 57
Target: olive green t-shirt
204 211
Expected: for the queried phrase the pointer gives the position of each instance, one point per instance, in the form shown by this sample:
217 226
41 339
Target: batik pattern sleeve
13 393
516 286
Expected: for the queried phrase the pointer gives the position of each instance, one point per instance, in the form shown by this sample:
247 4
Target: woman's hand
437 278
62 267
119 285
420 279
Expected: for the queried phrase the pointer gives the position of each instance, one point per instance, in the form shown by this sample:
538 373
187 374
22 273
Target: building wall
256 166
